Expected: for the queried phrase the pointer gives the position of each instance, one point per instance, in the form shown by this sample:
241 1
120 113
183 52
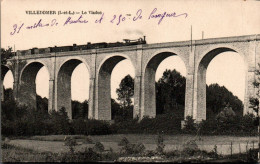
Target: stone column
103 107
138 83
92 87
149 94
27 91
190 84
250 92
137 97
15 89
91 101
51 100
252 65
64 92
199 112
189 95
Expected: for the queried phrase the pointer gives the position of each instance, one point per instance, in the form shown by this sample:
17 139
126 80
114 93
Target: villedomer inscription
38 12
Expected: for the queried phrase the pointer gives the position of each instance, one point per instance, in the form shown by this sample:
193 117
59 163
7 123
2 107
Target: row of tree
170 98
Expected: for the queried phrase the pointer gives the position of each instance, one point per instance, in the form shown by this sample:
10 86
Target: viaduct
145 58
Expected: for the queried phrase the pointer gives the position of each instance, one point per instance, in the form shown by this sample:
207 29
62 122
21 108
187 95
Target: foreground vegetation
129 152
20 121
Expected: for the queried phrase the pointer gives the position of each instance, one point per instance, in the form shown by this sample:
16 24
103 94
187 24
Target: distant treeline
170 101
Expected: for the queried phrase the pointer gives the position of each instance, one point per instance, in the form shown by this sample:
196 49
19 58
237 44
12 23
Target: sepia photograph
130 81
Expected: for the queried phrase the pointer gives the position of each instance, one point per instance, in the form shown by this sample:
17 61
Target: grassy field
39 148
55 143
12 153
150 139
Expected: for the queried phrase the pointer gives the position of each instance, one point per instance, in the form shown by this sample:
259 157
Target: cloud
133 32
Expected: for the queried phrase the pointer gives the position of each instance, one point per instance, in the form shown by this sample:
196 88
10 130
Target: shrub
88 140
190 125
160 144
91 155
97 127
78 126
71 143
99 147
129 148
190 148
124 141
139 148
60 121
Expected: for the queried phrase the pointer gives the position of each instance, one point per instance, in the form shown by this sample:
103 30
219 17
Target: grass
11 153
150 138
55 143
23 152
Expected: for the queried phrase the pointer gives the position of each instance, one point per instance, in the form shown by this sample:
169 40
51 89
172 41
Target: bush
160 144
190 148
124 141
190 125
168 123
88 140
60 121
22 121
71 143
129 148
133 149
236 125
99 147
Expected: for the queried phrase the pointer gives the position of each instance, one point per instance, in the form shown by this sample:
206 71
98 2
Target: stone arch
149 91
64 74
199 112
170 52
74 58
103 89
27 86
4 70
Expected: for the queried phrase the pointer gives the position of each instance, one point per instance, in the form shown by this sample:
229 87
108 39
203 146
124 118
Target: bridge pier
149 94
103 99
137 96
51 100
91 100
189 95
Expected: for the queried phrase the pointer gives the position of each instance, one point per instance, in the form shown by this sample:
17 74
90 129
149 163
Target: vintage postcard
130 81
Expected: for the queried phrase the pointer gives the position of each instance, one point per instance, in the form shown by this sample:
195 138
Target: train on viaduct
101 58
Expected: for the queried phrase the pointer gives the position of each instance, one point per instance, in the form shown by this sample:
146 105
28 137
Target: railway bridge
145 59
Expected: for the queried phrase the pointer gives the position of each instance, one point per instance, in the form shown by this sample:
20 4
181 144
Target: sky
214 18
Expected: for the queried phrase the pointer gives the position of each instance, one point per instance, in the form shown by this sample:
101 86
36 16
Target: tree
41 103
79 110
126 91
217 99
170 92
6 54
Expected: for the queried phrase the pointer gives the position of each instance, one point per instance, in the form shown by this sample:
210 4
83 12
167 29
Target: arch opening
7 80
30 86
160 97
105 84
42 89
221 83
80 92
122 97
71 88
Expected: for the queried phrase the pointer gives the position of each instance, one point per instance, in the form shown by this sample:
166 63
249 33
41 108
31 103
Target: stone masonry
145 59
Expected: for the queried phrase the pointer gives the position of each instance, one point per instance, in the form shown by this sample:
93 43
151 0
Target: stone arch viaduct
145 58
